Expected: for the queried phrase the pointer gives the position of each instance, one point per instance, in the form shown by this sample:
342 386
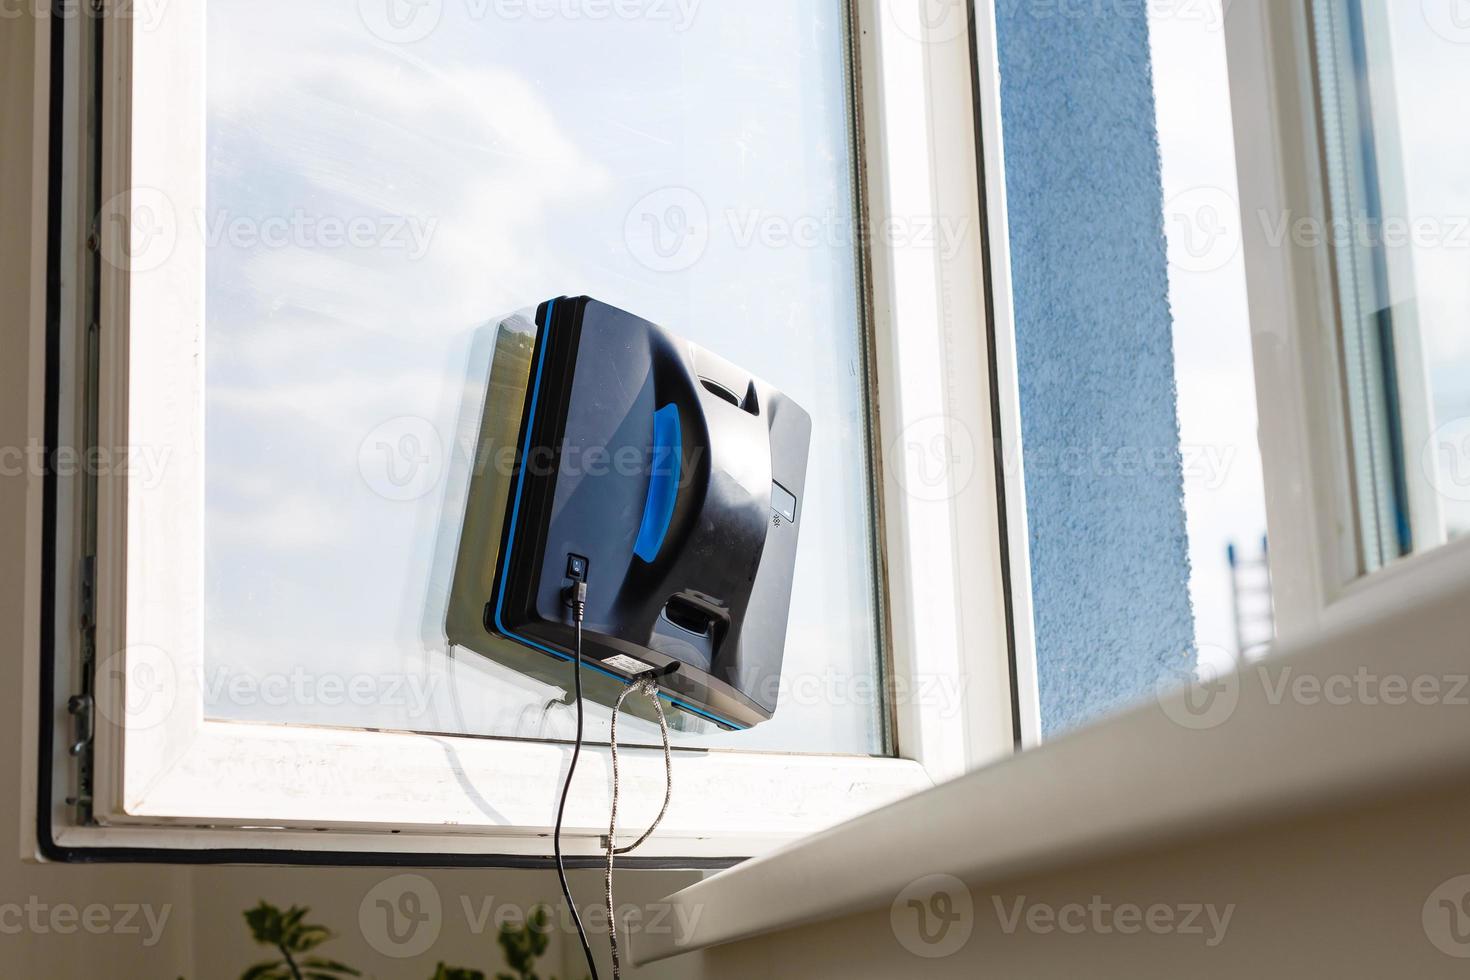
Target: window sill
1320 724
343 791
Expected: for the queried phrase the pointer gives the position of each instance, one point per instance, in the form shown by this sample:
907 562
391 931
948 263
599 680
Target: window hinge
82 706
79 706
87 595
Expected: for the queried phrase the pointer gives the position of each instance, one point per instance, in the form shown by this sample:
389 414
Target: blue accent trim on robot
510 545
663 483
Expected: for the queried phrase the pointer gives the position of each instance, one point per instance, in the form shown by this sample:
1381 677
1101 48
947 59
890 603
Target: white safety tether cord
650 690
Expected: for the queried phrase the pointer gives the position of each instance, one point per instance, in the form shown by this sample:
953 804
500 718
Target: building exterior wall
1094 340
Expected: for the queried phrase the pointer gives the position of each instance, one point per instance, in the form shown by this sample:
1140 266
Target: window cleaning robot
633 511
665 481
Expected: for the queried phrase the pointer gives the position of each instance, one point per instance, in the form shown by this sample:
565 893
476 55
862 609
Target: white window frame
1317 572
189 783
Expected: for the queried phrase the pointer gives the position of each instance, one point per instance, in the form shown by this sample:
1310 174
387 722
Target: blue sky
639 159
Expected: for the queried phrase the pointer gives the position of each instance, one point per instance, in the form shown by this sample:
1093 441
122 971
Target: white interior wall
40 948
469 902
1339 894
1343 895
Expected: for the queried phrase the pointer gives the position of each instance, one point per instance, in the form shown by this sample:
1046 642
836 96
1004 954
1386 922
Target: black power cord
578 597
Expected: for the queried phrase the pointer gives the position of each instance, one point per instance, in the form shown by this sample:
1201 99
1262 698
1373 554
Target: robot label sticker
628 665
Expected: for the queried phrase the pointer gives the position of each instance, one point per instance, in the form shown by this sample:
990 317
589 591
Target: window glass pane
386 180
1224 490
1137 394
1396 138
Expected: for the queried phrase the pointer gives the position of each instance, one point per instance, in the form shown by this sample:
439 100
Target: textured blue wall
1109 551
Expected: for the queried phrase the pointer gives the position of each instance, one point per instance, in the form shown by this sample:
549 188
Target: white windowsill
1141 780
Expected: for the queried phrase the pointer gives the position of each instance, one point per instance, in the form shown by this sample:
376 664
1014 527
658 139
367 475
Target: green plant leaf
274 970
290 933
458 973
265 923
297 935
538 930
302 938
